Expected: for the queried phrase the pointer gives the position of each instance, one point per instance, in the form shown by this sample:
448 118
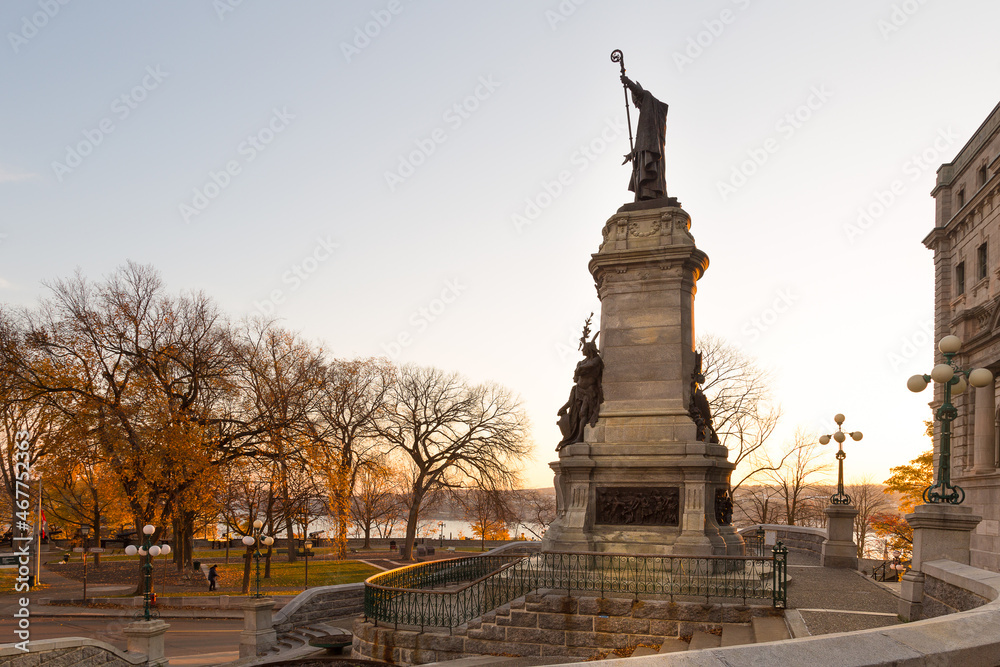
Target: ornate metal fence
755 543
449 593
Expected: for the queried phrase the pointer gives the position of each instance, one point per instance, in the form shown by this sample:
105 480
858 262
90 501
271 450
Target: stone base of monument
940 532
641 499
642 482
839 549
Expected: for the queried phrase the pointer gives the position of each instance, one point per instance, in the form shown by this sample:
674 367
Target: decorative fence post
780 573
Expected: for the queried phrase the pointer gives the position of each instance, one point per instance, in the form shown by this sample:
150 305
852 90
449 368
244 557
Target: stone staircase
298 637
758 631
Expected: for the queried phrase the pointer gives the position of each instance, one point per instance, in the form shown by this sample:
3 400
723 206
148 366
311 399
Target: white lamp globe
165 549
824 439
857 435
258 524
839 418
131 550
839 436
142 551
248 541
980 377
268 541
960 386
950 344
942 373
154 551
916 384
149 529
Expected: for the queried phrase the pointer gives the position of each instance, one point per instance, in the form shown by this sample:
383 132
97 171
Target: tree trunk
368 535
293 547
97 533
188 539
411 529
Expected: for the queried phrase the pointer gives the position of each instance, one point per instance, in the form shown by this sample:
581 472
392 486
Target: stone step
770 629
643 650
702 640
736 634
671 645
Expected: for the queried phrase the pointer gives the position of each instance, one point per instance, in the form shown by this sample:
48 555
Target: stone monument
645 473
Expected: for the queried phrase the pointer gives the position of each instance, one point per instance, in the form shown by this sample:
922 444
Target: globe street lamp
955 381
255 541
840 498
148 550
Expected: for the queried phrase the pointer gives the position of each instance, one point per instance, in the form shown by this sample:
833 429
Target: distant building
966 245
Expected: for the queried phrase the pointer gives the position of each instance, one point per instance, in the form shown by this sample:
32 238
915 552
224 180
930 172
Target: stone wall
67 652
793 537
539 625
946 592
319 604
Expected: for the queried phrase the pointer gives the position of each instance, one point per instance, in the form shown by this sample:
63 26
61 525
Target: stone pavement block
664 627
643 650
736 635
770 629
565 622
673 646
629 626
660 609
701 640
555 604
523 619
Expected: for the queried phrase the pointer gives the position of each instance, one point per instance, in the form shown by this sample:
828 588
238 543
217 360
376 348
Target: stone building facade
966 245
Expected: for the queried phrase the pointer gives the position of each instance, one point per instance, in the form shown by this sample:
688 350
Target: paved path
837 600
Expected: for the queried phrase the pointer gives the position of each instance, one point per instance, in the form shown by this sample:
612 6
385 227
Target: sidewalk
837 600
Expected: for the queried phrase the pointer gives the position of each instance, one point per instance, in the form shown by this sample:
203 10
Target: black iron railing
406 597
755 544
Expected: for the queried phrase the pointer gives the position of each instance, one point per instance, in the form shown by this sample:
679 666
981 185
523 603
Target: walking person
212 576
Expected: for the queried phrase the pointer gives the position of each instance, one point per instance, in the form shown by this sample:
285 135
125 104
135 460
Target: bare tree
794 478
738 391
488 508
868 497
453 433
353 396
757 504
375 500
537 510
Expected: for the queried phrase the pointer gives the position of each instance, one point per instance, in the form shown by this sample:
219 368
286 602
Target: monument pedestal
839 549
940 531
641 482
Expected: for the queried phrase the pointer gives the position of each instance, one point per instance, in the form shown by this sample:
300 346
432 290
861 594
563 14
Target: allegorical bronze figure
698 408
585 398
649 180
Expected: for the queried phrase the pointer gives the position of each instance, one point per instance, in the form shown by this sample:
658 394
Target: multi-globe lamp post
955 381
840 498
147 551
255 541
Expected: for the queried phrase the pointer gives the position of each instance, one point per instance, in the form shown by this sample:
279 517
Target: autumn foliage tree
909 481
453 433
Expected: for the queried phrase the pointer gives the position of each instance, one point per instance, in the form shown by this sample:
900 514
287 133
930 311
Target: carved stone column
985 430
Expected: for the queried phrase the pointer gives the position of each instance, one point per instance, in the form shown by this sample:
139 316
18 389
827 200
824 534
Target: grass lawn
290 577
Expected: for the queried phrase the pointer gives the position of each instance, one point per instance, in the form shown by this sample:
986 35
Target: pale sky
357 169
